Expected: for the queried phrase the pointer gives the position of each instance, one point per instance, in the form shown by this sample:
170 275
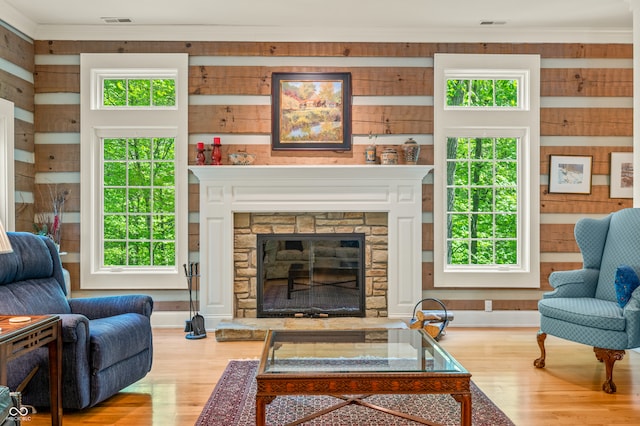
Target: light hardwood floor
566 392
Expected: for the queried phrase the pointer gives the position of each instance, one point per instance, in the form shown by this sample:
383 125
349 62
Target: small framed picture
570 174
621 185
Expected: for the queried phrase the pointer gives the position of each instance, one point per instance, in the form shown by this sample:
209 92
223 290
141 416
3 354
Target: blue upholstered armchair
107 342
598 305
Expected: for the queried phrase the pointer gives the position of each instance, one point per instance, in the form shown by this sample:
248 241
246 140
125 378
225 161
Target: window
486 183
482 201
134 161
478 93
139 201
122 92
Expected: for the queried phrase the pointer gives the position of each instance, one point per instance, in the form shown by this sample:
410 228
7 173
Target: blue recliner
598 305
107 341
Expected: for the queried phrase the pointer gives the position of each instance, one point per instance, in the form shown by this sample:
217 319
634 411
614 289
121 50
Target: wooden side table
17 339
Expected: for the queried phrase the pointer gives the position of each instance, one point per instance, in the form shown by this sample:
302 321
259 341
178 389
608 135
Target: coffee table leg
261 410
465 408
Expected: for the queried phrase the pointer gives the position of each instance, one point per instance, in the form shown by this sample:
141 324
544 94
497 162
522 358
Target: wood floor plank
566 392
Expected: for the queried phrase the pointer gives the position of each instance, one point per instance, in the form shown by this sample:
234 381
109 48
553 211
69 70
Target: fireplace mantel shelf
331 171
393 189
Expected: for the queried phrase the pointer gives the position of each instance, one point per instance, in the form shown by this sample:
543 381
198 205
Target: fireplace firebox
310 275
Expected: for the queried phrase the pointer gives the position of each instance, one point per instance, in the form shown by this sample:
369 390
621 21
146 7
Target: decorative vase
411 151
370 154
389 156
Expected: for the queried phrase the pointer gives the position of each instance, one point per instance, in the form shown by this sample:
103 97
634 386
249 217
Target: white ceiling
39 18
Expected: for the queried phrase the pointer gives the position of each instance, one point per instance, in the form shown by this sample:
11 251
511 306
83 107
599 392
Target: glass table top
352 351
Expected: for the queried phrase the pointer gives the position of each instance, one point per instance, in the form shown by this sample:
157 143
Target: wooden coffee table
344 363
19 338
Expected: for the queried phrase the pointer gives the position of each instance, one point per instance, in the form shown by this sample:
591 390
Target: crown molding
17 20
306 34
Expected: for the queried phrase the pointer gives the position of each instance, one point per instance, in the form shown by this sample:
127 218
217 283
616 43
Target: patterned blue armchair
598 305
107 342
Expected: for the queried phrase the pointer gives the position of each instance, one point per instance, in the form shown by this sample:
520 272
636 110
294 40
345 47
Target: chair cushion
38 296
118 338
30 259
626 281
585 311
621 248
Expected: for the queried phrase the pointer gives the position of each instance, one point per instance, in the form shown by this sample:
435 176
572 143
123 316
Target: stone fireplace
228 192
320 264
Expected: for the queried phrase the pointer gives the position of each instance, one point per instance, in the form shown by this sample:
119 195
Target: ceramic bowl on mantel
241 158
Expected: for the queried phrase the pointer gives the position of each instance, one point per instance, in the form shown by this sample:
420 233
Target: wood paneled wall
586 110
17 87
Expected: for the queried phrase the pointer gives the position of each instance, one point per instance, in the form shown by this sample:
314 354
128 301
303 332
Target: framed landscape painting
570 174
621 185
311 111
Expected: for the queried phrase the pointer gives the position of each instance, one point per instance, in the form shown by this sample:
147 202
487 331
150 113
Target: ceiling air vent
487 22
110 20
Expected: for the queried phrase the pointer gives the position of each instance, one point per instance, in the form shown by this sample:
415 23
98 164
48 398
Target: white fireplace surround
225 190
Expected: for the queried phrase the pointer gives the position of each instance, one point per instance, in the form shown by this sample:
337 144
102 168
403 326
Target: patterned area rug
232 403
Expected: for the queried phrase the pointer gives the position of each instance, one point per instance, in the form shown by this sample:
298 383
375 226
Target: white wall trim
320 34
7 174
475 319
169 319
96 124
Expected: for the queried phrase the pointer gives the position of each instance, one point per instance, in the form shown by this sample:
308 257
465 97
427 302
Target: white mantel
225 190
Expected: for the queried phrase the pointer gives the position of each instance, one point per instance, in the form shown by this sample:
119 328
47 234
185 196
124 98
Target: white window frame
522 122
100 122
7 176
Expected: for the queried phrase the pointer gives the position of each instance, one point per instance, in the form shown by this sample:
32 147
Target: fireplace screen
310 275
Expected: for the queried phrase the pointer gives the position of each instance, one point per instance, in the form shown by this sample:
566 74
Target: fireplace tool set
195 326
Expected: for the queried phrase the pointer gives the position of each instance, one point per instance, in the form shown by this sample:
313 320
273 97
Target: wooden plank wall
16 85
586 110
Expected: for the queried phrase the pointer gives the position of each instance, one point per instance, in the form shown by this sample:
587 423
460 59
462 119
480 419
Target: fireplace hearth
310 275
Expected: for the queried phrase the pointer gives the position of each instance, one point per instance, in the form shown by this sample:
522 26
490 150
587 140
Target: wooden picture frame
621 175
311 111
570 174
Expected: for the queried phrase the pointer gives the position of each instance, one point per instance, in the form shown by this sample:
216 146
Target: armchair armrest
576 283
75 328
107 306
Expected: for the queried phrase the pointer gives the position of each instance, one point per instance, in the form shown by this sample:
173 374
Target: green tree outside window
139 202
482 181
482 93
145 92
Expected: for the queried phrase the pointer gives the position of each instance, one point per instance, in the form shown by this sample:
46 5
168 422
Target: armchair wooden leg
543 354
609 357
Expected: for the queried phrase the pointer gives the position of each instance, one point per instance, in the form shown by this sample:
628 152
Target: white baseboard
169 319
495 319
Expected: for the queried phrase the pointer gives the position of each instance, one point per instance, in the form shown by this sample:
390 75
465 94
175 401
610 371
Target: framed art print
311 111
570 174
621 179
